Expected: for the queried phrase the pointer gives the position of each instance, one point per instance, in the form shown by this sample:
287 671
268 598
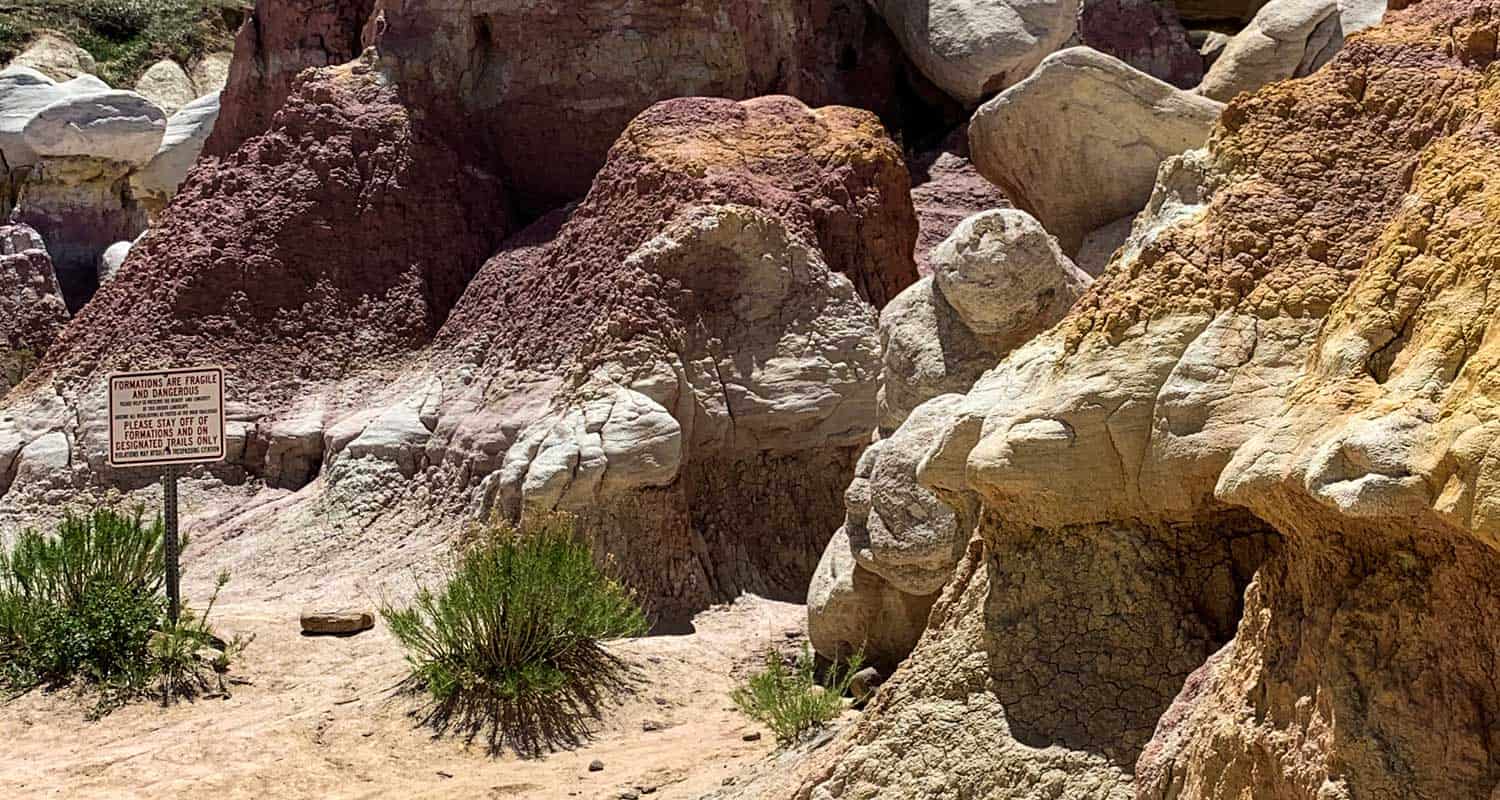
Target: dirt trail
321 721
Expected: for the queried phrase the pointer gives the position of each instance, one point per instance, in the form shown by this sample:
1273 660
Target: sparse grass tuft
511 645
790 701
86 607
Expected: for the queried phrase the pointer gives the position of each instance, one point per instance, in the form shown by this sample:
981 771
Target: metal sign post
167 418
169 546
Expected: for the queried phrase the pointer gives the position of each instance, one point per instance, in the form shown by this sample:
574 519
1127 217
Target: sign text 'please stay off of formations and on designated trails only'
166 417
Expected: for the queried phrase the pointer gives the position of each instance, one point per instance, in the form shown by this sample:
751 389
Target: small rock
753 736
646 789
792 633
863 684
324 621
661 701
628 794
442 774
596 765
651 725
729 781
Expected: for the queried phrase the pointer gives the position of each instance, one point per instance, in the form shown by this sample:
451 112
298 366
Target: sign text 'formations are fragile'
173 416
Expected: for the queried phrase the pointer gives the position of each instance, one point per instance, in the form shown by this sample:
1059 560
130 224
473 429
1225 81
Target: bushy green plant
125 36
120 19
86 605
789 700
512 642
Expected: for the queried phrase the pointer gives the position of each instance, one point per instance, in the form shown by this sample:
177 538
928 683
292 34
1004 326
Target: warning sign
173 416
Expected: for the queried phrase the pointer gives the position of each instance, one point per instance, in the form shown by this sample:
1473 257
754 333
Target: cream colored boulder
1005 277
1078 143
211 73
972 48
166 84
897 528
1286 39
850 609
925 350
56 57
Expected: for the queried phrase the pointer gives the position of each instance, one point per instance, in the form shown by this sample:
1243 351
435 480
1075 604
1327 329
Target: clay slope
1273 398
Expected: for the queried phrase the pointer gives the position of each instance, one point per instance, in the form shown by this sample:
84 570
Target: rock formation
551 118
270 281
1286 39
946 189
55 57
84 164
1106 127
999 280
31 306
187 130
688 358
279 40
1275 393
974 48
660 294
167 84
1144 34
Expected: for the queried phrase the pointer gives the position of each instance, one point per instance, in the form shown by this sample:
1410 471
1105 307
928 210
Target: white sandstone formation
1106 125
1286 39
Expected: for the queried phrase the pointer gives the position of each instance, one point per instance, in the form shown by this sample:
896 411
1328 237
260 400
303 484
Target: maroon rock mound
341 236
831 175
31 305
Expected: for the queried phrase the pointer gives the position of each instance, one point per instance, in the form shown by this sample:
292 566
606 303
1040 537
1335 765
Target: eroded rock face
31 305
283 209
720 380
279 39
81 205
832 176
553 85
1078 142
1227 414
1000 279
973 48
1376 472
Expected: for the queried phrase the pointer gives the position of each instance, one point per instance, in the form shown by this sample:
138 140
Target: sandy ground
320 720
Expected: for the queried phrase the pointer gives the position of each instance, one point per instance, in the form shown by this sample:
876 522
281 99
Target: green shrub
789 700
511 644
86 606
121 19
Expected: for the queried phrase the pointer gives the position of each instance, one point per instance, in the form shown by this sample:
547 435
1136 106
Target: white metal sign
166 417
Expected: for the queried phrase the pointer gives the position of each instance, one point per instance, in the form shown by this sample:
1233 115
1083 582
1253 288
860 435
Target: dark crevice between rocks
1096 628
731 524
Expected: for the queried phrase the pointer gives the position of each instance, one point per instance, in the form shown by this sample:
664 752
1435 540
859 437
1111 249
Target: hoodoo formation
1097 392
